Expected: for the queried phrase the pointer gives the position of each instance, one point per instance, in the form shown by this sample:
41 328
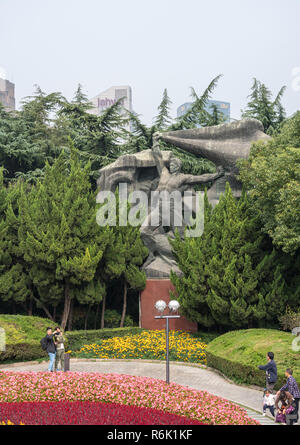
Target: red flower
87 413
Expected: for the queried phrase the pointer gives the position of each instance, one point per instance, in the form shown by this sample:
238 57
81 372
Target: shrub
20 352
290 319
112 319
239 372
237 354
76 339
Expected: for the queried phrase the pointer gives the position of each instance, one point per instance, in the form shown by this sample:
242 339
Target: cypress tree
60 239
229 279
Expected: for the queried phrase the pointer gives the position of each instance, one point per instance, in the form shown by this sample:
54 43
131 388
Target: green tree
61 242
15 284
163 119
126 254
271 175
141 136
261 106
231 277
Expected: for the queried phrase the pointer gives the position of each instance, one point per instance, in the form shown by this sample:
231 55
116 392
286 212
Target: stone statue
155 236
223 145
159 171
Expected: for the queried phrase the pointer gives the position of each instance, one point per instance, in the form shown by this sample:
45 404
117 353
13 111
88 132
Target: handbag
280 418
290 409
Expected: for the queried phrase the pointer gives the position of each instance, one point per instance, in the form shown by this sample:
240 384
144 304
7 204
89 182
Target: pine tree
60 239
261 107
163 119
229 279
125 255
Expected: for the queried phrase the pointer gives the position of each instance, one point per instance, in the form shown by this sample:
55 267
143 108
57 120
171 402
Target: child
269 402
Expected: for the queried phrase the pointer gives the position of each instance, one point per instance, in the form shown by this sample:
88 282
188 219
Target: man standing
60 349
271 372
51 350
292 387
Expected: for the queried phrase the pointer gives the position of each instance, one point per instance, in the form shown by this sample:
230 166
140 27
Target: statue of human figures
159 171
154 231
172 179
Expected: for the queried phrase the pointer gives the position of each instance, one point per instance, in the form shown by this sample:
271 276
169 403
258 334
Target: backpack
44 343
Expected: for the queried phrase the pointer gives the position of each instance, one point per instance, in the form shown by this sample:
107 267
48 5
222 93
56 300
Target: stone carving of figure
154 235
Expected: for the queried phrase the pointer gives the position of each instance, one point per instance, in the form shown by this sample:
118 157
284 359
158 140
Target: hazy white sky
152 45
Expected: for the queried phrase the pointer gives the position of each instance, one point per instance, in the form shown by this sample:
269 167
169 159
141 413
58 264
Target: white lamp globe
174 305
160 305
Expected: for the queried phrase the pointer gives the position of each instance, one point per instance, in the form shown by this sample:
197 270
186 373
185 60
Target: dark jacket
271 371
50 344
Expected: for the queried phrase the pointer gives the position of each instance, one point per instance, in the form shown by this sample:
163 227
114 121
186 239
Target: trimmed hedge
241 373
237 354
76 339
20 352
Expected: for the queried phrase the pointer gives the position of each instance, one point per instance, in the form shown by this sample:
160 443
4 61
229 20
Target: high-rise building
7 94
110 96
223 107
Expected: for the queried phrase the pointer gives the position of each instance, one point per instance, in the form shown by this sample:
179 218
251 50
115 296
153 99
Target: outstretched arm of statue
157 153
203 179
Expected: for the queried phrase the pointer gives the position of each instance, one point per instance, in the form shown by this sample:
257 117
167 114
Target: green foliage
22 329
261 107
290 320
141 137
113 318
272 176
238 354
59 237
76 339
42 129
163 119
23 335
197 115
22 352
126 254
232 277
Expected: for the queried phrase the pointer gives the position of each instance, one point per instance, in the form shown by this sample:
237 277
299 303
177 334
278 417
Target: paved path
196 377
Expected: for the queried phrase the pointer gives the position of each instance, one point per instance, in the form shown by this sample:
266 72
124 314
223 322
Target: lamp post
173 306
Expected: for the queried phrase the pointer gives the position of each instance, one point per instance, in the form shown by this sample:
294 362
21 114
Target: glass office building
223 107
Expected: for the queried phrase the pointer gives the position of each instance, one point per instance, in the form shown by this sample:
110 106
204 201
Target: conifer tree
261 106
60 239
125 255
229 279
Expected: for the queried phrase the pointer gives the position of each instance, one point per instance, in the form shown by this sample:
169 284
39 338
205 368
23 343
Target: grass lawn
249 347
23 335
23 328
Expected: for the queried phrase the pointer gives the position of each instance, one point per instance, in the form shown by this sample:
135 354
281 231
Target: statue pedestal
159 289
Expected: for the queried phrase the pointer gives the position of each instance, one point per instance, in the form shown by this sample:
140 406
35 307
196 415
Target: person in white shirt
268 403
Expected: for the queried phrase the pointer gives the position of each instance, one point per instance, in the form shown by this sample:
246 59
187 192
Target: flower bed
122 390
86 413
148 345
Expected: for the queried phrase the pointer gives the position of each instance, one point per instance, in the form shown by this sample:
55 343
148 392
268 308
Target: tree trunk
70 321
86 318
54 313
30 307
67 306
103 311
124 305
39 303
96 316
